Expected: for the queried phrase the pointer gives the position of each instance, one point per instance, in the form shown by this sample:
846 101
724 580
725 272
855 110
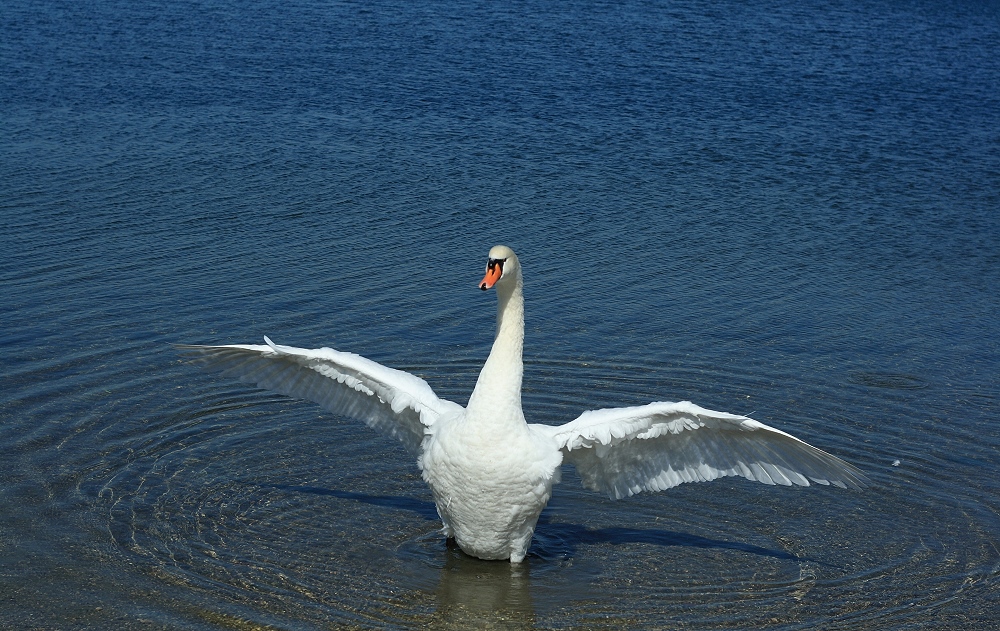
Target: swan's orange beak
494 270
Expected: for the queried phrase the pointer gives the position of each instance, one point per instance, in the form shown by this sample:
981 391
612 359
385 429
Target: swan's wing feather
623 451
391 401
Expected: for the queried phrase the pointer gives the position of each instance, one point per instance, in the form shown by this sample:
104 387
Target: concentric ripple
275 509
287 514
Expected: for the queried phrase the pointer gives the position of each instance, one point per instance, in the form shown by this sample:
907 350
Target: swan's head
502 263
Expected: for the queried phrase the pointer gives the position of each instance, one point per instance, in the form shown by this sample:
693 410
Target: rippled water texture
781 209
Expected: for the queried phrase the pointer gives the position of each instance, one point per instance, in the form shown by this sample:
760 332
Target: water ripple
775 209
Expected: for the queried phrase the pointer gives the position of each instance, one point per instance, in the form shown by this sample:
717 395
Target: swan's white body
490 471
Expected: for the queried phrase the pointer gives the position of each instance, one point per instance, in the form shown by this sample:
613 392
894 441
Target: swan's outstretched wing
623 451
392 401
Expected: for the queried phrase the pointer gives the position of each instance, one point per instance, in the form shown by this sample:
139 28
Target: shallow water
780 209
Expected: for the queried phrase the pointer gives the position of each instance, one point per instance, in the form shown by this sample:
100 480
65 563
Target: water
784 209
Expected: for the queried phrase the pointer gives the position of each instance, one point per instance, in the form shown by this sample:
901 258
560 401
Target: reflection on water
474 593
481 594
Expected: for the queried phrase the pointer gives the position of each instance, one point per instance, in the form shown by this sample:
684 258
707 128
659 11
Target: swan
491 473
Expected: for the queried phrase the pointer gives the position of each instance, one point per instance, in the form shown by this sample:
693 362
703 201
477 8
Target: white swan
491 472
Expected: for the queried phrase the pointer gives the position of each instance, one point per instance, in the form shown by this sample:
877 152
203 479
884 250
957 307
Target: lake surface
784 209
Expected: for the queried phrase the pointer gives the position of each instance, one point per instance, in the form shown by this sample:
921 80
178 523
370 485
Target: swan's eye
494 262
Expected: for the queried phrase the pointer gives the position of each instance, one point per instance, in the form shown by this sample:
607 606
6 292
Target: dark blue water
780 208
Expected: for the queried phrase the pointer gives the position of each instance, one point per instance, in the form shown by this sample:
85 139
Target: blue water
789 209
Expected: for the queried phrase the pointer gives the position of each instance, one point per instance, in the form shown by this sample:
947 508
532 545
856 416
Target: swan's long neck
497 395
